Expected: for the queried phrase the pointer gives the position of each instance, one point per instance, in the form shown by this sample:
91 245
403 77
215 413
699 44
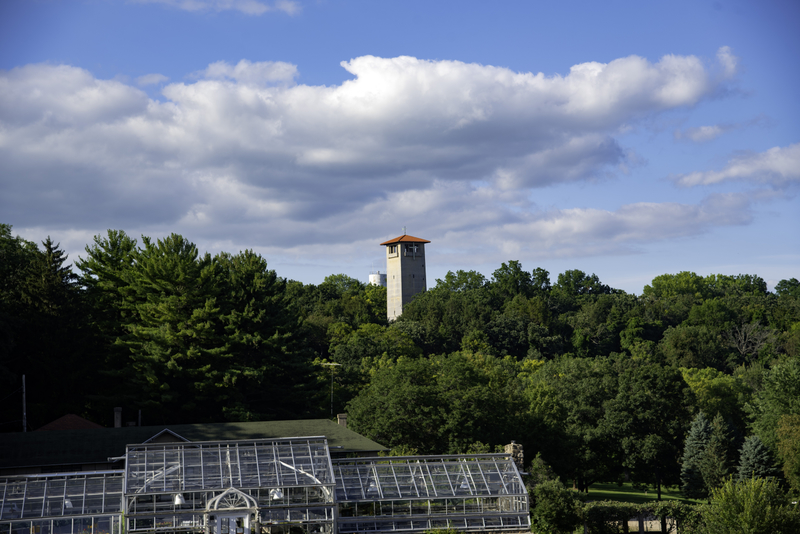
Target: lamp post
332 365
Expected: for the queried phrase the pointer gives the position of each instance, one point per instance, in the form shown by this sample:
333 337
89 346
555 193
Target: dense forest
694 380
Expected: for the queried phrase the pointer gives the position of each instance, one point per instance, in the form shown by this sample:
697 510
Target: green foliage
698 346
788 287
717 392
678 517
717 458
554 508
779 396
441 404
755 460
42 332
689 283
510 280
568 396
460 281
692 484
672 285
789 449
648 417
608 517
752 506
575 282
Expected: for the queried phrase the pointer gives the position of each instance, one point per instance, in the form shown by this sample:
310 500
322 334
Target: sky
627 139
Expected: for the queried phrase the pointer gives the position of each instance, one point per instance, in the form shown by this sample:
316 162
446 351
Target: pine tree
755 460
715 463
177 348
693 485
269 374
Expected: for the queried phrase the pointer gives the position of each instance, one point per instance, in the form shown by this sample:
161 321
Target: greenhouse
418 493
268 486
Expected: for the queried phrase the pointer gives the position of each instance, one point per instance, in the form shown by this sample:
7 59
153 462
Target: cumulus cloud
244 150
248 7
778 166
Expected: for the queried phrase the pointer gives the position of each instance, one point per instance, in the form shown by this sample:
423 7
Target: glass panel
102 525
62 526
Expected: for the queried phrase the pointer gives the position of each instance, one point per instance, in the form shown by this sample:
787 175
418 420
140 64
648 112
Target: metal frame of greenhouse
271 486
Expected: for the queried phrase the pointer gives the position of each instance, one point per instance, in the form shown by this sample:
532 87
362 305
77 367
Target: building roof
405 239
69 422
95 446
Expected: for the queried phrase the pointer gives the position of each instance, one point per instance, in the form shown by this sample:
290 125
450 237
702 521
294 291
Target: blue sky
627 139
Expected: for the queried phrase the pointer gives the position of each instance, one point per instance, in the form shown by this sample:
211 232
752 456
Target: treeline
605 385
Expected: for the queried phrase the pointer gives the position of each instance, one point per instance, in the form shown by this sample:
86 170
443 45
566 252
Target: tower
405 272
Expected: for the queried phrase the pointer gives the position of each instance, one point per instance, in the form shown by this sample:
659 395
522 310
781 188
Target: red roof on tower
405 239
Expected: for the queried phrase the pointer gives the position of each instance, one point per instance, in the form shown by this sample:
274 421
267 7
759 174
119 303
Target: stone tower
405 272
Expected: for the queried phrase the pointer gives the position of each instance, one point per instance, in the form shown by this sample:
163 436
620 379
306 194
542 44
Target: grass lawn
627 493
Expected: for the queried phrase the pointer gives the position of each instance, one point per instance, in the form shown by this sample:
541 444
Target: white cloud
729 62
246 151
151 79
701 134
248 7
245 72
778 166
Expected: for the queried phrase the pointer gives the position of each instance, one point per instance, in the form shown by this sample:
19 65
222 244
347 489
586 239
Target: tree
788 287
598 323
672 285
698 346
441 404
554 508
568 396
716 461
789 448
755 460
754 506
460 281
269 375
41 316
178 354
717 392
510 280
648 417
692 483
779 396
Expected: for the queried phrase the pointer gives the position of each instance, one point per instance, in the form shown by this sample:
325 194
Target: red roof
69 422
405 239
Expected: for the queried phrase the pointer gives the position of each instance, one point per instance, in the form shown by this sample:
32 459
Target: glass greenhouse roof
169 467
426 477
196 487
61 495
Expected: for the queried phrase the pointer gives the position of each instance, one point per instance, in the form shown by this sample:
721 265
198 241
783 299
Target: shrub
555 508
754 506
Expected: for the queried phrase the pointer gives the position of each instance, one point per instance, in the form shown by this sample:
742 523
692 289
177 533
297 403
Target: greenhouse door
233 524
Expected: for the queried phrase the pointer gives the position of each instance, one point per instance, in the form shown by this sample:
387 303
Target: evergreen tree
755 460
715 463
271 374
693 485
178 354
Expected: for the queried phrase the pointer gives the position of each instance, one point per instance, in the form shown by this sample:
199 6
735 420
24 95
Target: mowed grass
627 493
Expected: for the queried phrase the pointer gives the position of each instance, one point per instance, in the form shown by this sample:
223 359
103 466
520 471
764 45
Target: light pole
332 365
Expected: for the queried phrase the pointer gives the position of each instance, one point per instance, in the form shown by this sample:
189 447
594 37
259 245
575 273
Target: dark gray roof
90 446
